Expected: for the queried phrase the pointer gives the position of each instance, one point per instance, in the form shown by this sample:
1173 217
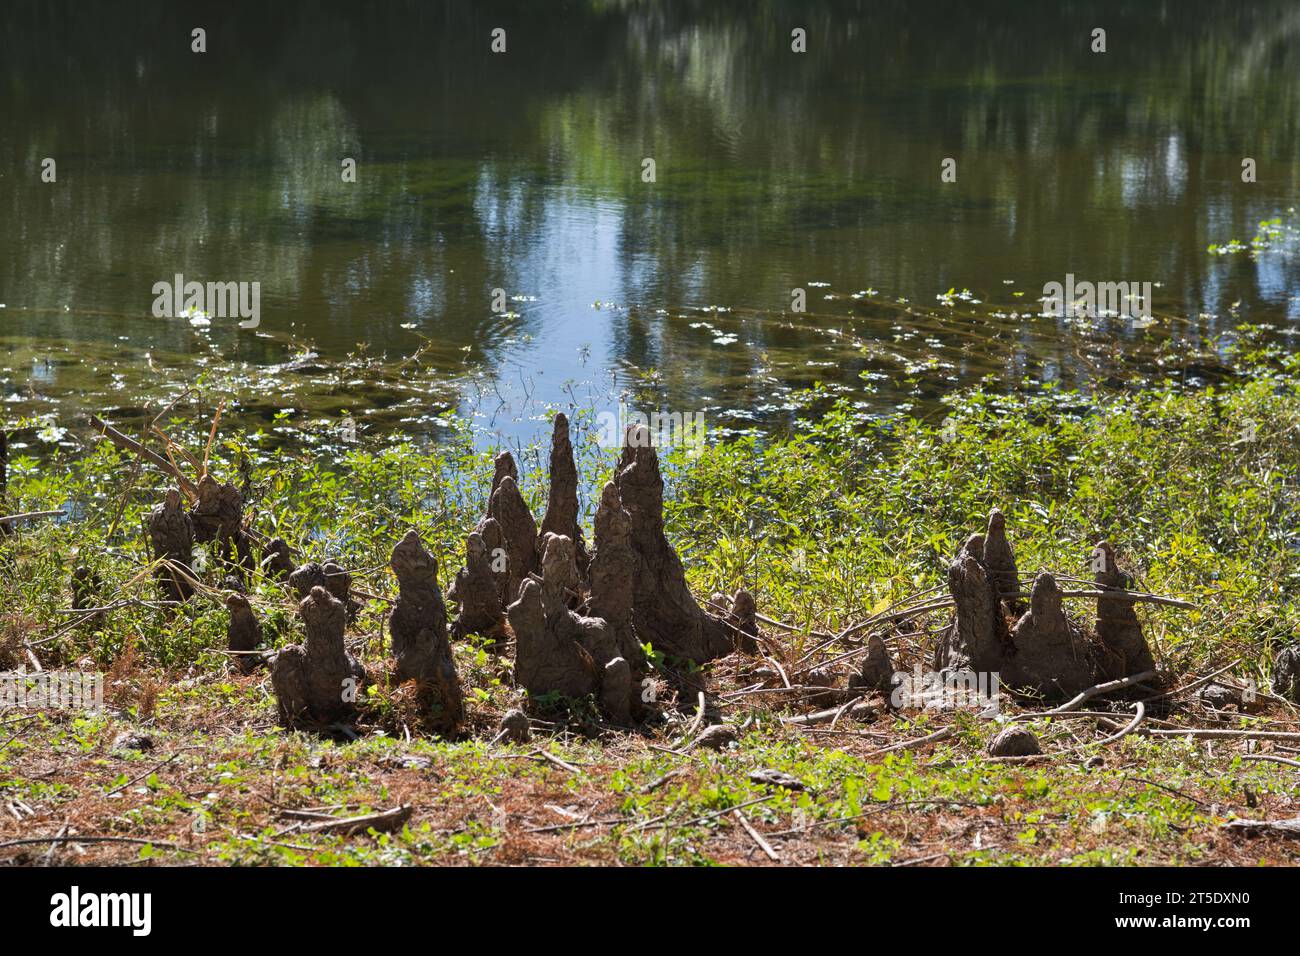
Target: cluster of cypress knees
580 618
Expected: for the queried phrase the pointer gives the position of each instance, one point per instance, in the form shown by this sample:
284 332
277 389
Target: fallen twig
822 716
1174 790
28 841
757 837
577 825
1096 690
58 513
658 782
138 777
1227 734
1271 758
935 737
662 824
879 808
1289 828
1132 725
380 822
547 755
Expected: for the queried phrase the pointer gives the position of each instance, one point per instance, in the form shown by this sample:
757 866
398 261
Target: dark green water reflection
523 172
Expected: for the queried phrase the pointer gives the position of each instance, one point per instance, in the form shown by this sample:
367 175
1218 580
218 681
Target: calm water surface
522 172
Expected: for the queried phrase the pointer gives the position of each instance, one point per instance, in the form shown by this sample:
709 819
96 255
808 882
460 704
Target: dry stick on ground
254 838
577 825
80 612
17 720
695 724
1271 758
822 716
48 855
319 809
933 738
848 705
918 860
1227 734
1235 715
1174 790
138 777
551 758
1095 691
790 627
703 818
1128 729
82 615
1286 828
1108 719
785 678
815 731
381 822
658 782
889 616
722 612
29 841
757 837
879 808
59 513
810 689
563 765
669 750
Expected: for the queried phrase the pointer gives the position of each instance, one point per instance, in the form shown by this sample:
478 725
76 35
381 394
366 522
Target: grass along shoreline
1198 490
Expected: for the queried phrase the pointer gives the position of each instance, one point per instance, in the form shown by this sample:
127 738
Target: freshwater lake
525 172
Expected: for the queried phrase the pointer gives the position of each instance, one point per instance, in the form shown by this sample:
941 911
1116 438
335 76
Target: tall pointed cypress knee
171 536
664 611
1125 650
562 501
419 632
